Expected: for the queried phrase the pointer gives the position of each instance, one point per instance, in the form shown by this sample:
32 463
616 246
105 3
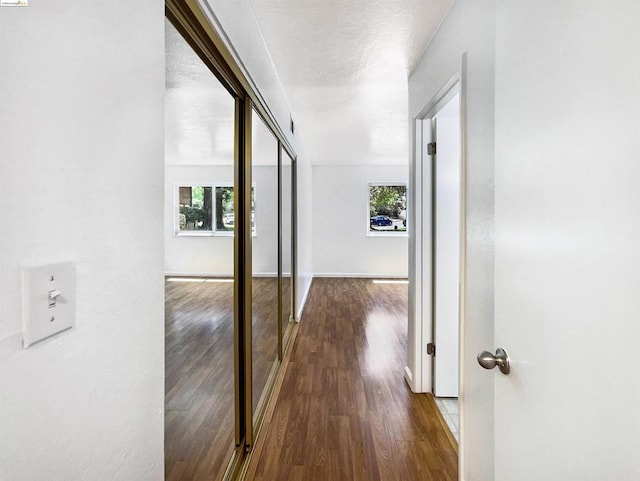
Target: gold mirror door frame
243 273
193 23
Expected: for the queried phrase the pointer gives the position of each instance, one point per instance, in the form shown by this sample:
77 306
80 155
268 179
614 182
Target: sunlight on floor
197 279
380 334
390 281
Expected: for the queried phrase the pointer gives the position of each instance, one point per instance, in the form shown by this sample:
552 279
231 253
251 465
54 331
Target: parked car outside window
380 221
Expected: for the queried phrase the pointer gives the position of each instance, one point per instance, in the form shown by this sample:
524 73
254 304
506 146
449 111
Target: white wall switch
48 300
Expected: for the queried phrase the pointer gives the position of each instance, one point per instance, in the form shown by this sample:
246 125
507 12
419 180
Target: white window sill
206 234
387 234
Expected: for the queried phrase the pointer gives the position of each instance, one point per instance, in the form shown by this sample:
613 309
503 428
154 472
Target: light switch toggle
53 295
48 299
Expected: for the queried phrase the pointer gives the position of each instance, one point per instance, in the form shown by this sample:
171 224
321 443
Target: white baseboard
304 299
197 274
349 275
408 376
365 276
216 274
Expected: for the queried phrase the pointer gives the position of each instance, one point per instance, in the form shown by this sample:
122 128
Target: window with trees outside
387 208
208 209
195 210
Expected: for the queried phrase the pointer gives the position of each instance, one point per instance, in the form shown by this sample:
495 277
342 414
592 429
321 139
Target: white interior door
567 259
446 257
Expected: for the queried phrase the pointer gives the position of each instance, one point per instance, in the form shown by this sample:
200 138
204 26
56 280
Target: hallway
344 411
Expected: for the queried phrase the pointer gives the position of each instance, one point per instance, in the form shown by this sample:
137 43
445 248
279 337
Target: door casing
420 331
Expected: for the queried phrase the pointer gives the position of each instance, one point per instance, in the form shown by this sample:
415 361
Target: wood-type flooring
199 372
344 411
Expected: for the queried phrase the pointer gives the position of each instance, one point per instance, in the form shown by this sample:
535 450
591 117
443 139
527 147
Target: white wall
306 228
81 168
469 27
241 29
341 245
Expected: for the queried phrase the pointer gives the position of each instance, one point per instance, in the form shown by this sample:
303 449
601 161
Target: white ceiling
344 65
199 112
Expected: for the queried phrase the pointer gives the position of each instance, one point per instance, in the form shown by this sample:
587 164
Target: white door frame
423 234
446 195
421 241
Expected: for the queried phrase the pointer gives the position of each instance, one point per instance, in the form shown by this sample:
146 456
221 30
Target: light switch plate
48 300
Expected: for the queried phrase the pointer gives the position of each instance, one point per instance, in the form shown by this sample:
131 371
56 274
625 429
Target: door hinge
431 349
431 148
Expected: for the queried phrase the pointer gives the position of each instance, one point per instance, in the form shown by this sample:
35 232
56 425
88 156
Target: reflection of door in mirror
264 175
199 289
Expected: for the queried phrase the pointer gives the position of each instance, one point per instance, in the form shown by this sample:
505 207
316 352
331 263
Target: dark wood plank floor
344 411
199 372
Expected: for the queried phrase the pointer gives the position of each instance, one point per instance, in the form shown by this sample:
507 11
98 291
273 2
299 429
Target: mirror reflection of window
199 211
194 208
225 215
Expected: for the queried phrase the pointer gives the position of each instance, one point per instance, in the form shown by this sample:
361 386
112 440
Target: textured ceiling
199 113
344 66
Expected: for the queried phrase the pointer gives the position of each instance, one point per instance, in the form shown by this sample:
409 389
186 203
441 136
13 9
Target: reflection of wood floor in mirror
199 372
344 411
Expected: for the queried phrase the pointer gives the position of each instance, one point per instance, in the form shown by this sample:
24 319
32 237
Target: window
387 208
225 218
202 213
194 208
